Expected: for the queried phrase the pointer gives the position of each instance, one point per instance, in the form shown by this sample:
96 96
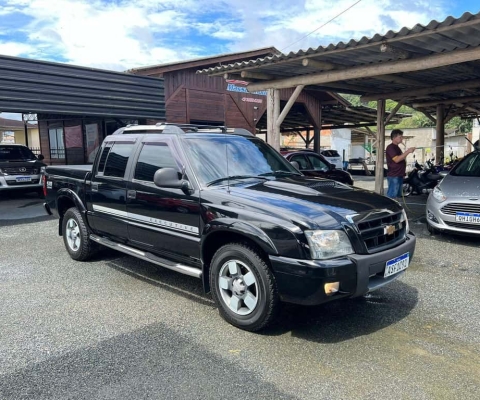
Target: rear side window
153 157
103 159
117 159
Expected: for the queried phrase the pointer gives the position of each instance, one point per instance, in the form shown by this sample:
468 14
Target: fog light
331 288
431 217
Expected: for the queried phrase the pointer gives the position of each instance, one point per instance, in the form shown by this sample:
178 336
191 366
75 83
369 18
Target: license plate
23 179
467 217
396 265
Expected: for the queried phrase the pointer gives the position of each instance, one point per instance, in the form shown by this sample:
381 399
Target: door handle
131 194
94 187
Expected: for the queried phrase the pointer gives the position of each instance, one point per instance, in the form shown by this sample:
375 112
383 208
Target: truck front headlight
328 244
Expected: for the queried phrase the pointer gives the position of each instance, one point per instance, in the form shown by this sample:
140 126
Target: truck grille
453 208
20 170
376 233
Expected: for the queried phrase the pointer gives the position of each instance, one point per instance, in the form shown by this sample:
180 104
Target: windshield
469 166
217 157
16 153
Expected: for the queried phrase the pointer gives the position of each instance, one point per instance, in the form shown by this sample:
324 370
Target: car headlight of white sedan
438 194
328 244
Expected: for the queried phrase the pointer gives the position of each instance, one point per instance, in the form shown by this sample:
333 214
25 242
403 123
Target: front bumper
446 222
9 182
302 281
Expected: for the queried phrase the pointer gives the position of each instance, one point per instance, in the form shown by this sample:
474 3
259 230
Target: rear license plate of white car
467 217
396 265
23 179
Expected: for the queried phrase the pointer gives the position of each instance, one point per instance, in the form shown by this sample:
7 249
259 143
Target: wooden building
199 99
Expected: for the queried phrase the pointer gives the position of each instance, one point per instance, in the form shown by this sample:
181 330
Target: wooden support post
380 146
316 140
439 151
270 119
317 130
288 106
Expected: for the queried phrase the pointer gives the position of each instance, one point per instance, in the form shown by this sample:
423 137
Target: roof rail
163 127
193 127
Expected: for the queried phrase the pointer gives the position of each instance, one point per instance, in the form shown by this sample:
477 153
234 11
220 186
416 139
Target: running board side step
146 256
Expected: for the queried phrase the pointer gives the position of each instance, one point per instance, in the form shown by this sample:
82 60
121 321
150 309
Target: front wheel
243 287
75 236
432 230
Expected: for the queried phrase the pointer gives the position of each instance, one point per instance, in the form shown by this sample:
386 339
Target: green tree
417 119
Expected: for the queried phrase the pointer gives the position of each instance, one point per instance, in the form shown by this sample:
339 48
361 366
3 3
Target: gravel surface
120 328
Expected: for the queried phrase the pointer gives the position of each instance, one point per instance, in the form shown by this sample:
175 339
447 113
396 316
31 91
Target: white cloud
123 34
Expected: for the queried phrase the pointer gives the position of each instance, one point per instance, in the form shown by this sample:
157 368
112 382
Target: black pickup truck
223 206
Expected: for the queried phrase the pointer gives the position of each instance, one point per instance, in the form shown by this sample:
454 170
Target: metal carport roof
423 66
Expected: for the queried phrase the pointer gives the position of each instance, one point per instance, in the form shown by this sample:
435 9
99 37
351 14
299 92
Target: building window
57 146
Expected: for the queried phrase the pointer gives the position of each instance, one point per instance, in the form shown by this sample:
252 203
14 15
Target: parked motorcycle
421 179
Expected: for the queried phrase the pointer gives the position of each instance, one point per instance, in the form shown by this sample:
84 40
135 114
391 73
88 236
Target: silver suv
20 169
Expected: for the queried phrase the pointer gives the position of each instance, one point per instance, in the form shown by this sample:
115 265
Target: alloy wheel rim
73 234
238 287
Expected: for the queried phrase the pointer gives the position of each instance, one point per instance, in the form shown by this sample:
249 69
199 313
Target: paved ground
119 328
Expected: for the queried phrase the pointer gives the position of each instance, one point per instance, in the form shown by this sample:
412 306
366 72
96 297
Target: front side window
57 146
317 163
117 160
152 158
302 162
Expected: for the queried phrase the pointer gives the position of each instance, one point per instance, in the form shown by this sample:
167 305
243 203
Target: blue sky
119 34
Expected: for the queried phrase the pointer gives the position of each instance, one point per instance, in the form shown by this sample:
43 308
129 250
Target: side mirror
168 178
40 157
295 164
332 166
443 174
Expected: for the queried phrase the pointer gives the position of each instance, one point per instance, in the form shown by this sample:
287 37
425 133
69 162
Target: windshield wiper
275 173
233 177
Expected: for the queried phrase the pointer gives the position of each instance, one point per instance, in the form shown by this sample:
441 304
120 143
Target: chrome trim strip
166 231
142 218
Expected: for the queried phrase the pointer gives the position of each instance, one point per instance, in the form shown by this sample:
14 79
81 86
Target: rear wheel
243 287
407 189
75 236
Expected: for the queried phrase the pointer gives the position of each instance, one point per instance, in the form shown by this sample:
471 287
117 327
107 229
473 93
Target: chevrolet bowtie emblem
389 229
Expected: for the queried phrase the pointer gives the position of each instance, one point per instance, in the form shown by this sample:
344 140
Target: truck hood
312 202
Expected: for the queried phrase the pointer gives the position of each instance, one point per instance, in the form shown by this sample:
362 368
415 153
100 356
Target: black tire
75 236
248 286
407 189
432 230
